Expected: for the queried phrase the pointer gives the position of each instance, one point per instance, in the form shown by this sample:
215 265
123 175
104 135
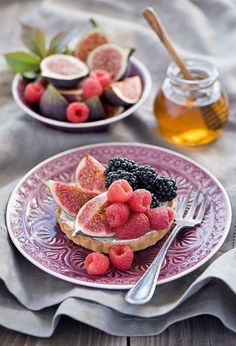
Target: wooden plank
198 331
68 332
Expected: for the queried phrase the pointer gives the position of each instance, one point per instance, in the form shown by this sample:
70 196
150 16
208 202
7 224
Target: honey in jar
191 112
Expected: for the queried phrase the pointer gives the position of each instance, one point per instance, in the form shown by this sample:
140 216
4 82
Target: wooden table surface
198 331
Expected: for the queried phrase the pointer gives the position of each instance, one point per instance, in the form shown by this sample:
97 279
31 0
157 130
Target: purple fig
52 104
96 109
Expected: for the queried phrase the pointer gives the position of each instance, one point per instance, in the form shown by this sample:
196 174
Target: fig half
124 93
63 71
93 38
111 58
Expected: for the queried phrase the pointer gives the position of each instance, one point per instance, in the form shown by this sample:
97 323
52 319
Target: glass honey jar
191 112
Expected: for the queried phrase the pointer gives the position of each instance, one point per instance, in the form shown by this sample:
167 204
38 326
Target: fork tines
191 208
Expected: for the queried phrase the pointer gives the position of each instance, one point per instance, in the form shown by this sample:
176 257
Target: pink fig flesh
92 220
70 197
90 174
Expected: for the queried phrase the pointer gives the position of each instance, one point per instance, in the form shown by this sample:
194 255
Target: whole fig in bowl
53 105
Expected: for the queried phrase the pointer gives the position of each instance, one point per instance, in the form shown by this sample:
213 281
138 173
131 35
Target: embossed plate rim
118 286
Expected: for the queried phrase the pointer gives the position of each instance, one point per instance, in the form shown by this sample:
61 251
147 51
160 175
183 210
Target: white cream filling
70 221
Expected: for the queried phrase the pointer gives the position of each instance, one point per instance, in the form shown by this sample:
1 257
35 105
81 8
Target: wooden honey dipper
214 120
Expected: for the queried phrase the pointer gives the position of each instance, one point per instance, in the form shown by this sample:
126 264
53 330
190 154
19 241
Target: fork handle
144 288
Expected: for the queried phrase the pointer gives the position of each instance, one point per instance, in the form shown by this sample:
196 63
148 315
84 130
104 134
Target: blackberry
164 189
155 203
129 176
121 163
146 176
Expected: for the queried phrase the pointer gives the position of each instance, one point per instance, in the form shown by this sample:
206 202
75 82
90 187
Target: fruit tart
122 204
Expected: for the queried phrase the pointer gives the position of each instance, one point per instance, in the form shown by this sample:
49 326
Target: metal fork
143 290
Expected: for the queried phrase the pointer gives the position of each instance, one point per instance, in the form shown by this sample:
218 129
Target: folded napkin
32 301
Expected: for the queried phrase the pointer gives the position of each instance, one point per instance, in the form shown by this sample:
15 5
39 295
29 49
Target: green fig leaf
68 51
34 39
60 41
93 23
21 62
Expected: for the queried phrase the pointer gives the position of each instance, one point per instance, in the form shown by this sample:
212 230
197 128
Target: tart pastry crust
103 244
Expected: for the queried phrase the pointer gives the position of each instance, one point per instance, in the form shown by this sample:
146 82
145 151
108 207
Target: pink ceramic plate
34 231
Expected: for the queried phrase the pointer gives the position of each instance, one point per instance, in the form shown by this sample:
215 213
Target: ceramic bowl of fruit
84 88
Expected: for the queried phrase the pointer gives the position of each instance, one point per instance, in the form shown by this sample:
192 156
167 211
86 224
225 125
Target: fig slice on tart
90 174
91 219
70 197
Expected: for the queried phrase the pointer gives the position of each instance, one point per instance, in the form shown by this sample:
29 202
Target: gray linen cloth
32 301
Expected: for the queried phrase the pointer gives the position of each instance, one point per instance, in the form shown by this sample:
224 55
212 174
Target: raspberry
96 263
160 217
136 226
140 201
119 191
33 92
121 256
103 76
91 87
77 112
117 214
